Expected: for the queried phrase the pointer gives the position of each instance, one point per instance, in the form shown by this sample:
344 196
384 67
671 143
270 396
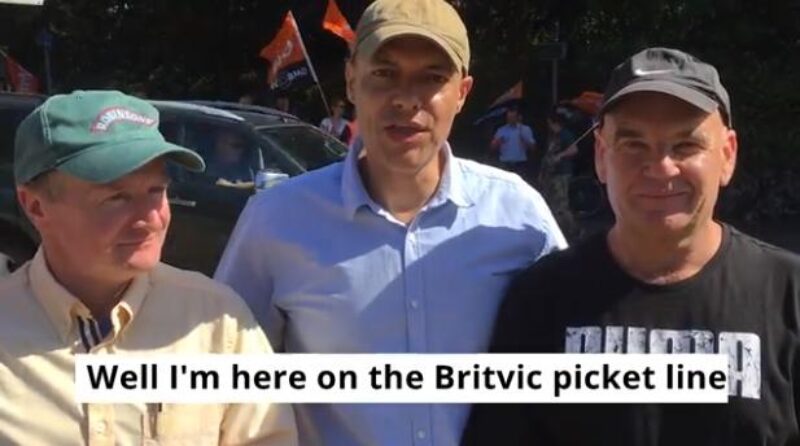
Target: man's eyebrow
379 59
695 133
624 132
382 60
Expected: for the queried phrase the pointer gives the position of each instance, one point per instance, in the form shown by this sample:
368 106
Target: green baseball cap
434 20
98 136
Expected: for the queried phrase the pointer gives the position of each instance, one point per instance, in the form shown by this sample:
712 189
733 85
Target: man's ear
599 156
30 202
463 90
730 151
350 78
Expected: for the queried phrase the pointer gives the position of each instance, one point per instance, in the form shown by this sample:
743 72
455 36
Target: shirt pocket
188 424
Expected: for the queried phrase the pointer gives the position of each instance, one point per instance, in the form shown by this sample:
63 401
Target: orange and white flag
284 50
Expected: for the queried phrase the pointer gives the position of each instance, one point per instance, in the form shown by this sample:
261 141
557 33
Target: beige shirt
167 310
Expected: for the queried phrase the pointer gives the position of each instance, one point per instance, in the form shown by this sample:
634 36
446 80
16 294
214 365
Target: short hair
43 184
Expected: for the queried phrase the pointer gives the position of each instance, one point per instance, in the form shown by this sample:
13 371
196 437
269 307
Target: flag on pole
21 80
588 102
513 93
336 23
286 55
500 105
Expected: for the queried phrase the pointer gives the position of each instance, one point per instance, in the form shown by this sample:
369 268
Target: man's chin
668 222
141 260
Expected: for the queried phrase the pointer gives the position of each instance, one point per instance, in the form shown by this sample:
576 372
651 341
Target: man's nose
407 97
148 212
663 166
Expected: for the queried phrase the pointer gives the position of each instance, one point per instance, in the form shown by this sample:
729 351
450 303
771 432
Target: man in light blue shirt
402 247
514 140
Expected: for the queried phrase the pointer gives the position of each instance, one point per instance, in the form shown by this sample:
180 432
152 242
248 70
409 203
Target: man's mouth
404 132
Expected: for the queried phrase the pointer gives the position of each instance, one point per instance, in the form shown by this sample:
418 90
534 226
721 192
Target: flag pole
311 67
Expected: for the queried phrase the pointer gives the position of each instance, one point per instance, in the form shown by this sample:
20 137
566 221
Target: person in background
229 163
336 124
556 173
513 141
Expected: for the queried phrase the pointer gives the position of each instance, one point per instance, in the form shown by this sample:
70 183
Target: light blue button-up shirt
326 269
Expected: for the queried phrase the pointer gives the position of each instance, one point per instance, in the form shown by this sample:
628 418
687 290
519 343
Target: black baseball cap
672 72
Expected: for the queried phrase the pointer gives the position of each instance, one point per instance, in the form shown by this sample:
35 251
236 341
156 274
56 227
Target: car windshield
310 147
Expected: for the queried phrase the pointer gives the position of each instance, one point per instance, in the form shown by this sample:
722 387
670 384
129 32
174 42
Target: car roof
186 107
250 109
254 115
22 98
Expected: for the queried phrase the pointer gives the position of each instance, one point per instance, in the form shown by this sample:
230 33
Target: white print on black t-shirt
743 349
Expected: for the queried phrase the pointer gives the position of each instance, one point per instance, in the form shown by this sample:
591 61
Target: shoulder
15 282
197 292
223 314
491 183
758 252
15 293
565 266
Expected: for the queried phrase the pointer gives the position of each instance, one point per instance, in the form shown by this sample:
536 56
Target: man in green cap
91 176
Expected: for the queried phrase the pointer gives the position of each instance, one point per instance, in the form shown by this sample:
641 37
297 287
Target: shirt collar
354 193
62 307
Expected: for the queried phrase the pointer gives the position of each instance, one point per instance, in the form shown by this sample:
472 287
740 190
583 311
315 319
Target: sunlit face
663 161
406 96
113 231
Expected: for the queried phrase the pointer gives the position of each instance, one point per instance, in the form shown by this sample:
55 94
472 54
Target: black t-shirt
745 301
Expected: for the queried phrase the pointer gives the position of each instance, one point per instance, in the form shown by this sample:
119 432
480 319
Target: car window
9 120
311 148
170 128
230 153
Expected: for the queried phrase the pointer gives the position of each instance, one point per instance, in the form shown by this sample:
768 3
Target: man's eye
437 78
117 198
687 148
382 73
633 146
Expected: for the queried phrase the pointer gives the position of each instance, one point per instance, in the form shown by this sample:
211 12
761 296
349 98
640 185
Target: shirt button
414 305
421 434
100 428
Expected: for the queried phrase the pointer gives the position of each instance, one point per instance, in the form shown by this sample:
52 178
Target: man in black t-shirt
667 278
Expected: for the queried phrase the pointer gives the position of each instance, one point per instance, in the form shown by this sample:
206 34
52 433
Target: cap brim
110 162
370 44
681 92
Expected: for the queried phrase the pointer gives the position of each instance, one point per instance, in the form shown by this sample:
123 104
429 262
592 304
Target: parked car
239 144
18 239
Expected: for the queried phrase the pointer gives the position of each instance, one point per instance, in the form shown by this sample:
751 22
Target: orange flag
285 49
336 23
21 80
513 93
588 102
